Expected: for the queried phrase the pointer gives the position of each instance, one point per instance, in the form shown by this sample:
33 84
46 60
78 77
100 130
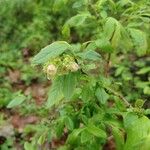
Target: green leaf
69 123
109 27
87 93
85 136
91 46
51 51
137 131
125 42
104 45
74 135
59 128
112 3
16 101
42 139
112 31
119 70
29 146
90 55
140 41
144 70
68 85
119 139
147 112
116 36
78 19
55 93
66 30
96 131
145 143
58 4
129 119
79 4
74 21
146 90
101 95
64 147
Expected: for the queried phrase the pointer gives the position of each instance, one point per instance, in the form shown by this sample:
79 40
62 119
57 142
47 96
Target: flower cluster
60 66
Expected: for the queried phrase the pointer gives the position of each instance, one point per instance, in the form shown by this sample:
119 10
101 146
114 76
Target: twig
120 96
72 102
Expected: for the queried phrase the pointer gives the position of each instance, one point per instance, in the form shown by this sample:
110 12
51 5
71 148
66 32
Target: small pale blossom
51 70
74 66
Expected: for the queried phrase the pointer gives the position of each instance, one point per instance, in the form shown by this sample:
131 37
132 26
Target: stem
95 12
107 65
120 96
73 102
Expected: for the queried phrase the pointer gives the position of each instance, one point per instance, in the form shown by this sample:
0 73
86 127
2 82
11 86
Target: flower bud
51 70
74 66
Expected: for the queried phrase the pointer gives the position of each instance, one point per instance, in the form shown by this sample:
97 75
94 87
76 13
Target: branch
120 96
